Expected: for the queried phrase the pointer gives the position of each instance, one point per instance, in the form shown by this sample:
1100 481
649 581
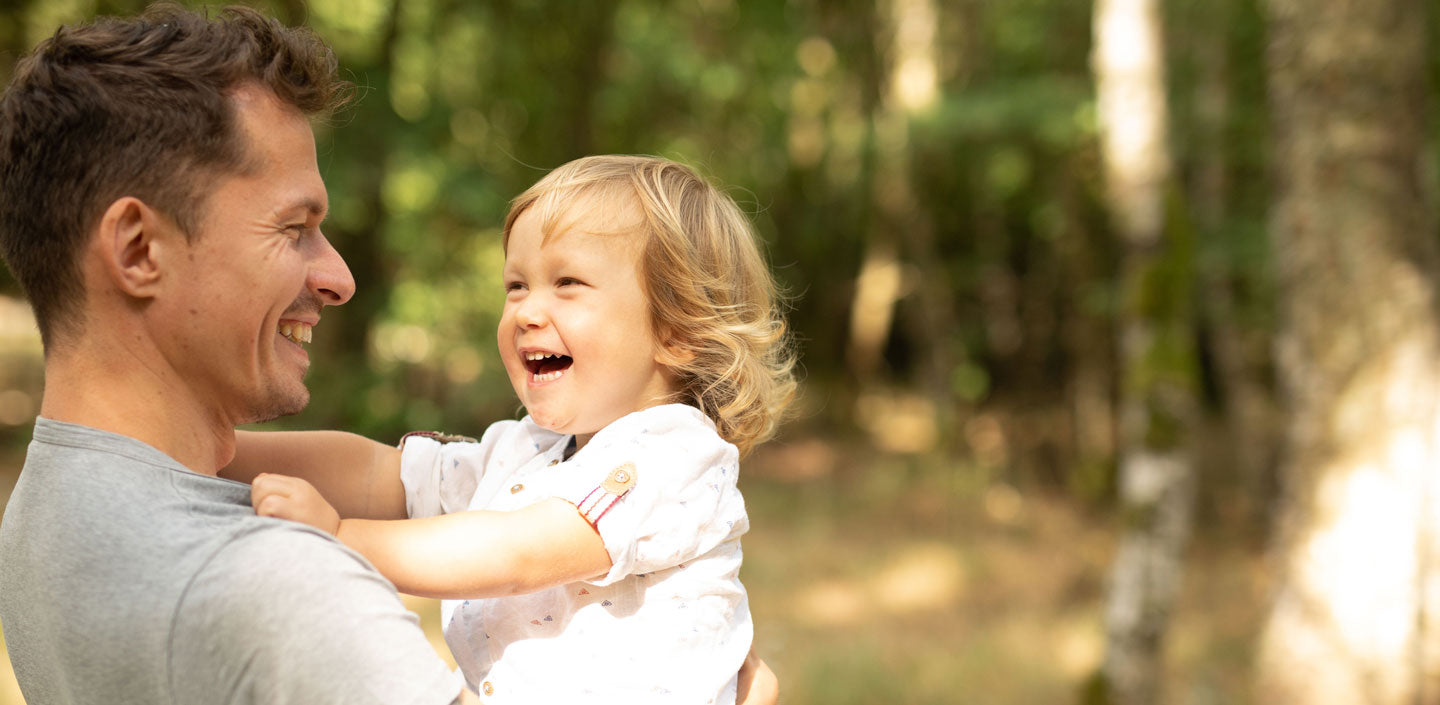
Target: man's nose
329 277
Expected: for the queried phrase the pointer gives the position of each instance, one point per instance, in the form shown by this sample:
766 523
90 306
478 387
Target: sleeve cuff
419 463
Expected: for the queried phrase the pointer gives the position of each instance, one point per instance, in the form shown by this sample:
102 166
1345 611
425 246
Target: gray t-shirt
126 578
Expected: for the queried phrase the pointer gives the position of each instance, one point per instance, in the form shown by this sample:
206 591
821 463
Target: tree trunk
1244 465
1156 348
585 75
903 235
1353 233
365 141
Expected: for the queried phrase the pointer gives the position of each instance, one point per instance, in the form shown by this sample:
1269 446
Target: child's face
577 304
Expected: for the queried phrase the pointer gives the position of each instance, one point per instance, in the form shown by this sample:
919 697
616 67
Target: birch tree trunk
1353 233
1156 347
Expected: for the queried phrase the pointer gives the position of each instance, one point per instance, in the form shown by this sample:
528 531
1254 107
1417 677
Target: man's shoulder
267 555
287 611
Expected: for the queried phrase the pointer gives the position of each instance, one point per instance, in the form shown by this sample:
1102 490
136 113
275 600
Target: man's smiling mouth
295 331
544 366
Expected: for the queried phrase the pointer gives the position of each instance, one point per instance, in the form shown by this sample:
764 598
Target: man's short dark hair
134 107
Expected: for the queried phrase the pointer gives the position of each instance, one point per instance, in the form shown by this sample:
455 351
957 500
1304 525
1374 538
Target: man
160 203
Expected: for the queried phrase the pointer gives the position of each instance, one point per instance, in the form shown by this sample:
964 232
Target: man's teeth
296 332
536 356
546 377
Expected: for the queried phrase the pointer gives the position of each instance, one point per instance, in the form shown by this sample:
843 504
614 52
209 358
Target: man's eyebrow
311 206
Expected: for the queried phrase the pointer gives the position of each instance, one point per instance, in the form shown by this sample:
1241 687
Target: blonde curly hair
713 303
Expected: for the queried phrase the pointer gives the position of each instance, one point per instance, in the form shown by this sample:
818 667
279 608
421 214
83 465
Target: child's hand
285 497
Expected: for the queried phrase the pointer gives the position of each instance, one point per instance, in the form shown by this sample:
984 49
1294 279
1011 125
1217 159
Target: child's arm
456 556
359 477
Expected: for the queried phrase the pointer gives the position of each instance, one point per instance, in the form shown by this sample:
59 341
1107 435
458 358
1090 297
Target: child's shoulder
523 436
663 419
500 434
677 427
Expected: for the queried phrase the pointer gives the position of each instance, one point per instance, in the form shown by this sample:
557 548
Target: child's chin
548 422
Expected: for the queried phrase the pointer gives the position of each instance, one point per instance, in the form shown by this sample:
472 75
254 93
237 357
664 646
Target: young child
591 551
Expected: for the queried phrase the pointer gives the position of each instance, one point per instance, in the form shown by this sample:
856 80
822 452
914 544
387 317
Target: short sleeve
440 474
683 501
285 614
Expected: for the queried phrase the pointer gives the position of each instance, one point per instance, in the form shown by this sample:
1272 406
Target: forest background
1118 319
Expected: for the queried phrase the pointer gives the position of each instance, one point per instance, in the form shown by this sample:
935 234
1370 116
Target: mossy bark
1157 350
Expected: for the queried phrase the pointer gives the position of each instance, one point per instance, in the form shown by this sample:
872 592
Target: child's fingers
269 494
283 497
271 506
264 486
278 484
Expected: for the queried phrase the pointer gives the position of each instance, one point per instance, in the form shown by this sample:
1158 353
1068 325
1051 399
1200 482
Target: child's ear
133 238
674 352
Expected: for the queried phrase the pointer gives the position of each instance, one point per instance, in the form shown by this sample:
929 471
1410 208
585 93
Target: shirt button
555 462
489 689
516 488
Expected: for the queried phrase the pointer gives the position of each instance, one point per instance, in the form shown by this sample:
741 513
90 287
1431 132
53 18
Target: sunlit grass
899 588
890 580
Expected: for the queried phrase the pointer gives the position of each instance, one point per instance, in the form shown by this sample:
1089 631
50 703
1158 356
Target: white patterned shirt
668 624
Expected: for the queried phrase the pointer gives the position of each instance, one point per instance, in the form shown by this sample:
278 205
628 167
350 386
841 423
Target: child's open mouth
544 367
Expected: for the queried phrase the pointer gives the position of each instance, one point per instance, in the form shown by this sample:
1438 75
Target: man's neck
139 402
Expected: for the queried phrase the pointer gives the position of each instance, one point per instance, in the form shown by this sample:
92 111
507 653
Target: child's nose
530 313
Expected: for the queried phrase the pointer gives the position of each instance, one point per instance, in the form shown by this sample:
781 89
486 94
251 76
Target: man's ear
133 241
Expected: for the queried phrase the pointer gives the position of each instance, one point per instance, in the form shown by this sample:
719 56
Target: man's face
257 273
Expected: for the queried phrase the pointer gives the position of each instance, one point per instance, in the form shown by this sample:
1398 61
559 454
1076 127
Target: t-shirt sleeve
682 503
440 474
284 614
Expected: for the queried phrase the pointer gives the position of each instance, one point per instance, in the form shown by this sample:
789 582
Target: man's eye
567 281
514 286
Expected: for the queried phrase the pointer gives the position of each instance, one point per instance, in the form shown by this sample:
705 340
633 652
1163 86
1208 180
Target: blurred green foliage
462 105
1000 210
